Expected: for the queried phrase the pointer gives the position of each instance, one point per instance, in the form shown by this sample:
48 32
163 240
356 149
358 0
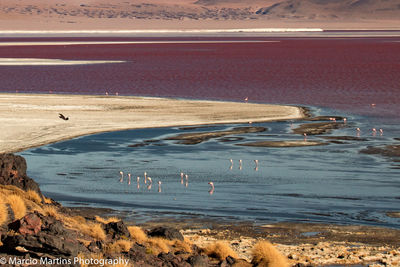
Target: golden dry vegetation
220 250
17 205
137 234
3 212
266 255
33 196
107 220
119 246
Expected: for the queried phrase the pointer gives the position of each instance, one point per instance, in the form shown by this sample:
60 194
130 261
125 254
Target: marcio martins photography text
64 261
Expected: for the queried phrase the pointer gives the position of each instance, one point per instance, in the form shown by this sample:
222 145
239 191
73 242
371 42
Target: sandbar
32 120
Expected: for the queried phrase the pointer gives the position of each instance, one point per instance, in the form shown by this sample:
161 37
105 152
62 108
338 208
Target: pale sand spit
31 120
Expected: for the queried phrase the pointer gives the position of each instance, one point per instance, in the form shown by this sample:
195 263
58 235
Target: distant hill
312 9
313 12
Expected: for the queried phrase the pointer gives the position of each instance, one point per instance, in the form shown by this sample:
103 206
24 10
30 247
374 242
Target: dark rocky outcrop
117 230
167 233
13 172
28 225
172 260
41 235
142 257
198 261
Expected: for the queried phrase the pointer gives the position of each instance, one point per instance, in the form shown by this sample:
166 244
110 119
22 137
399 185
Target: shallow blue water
332 183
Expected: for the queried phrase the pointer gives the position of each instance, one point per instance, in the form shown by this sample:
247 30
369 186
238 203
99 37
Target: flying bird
61 116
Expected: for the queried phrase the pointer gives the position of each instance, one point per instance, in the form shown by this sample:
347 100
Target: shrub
108 220
266 255
47 200
33 196
159 244
220 250
182 246
3 213
137 234
119 246
91 229
17 205
51 211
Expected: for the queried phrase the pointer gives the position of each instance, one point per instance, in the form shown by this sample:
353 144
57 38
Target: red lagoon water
348 74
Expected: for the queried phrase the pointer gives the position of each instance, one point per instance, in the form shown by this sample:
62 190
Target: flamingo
150 183
381 131
159 186
182 177
138 180
240 164
256 162
145 177
122 176
211 191
187 177
129 178
305 137
246 99
344 120
106 93
373 131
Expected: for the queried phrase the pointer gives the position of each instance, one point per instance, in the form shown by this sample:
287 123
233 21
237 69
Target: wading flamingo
159 186
211 191
138 182
122 176
129 178
305 137
182 177
150 183
240 164
256 162
145 177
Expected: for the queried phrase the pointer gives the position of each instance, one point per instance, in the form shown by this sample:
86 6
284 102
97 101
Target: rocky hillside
205 9
336 9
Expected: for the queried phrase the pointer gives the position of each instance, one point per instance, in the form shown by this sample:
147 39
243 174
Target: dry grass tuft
137 234
266 255
119 246
3 212
80 224
47 200
220 250
159 244
108 220
33 196
51 211
94 230
182 246
17 205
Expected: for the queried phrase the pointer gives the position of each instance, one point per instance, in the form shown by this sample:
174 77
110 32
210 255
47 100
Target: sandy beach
32 120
